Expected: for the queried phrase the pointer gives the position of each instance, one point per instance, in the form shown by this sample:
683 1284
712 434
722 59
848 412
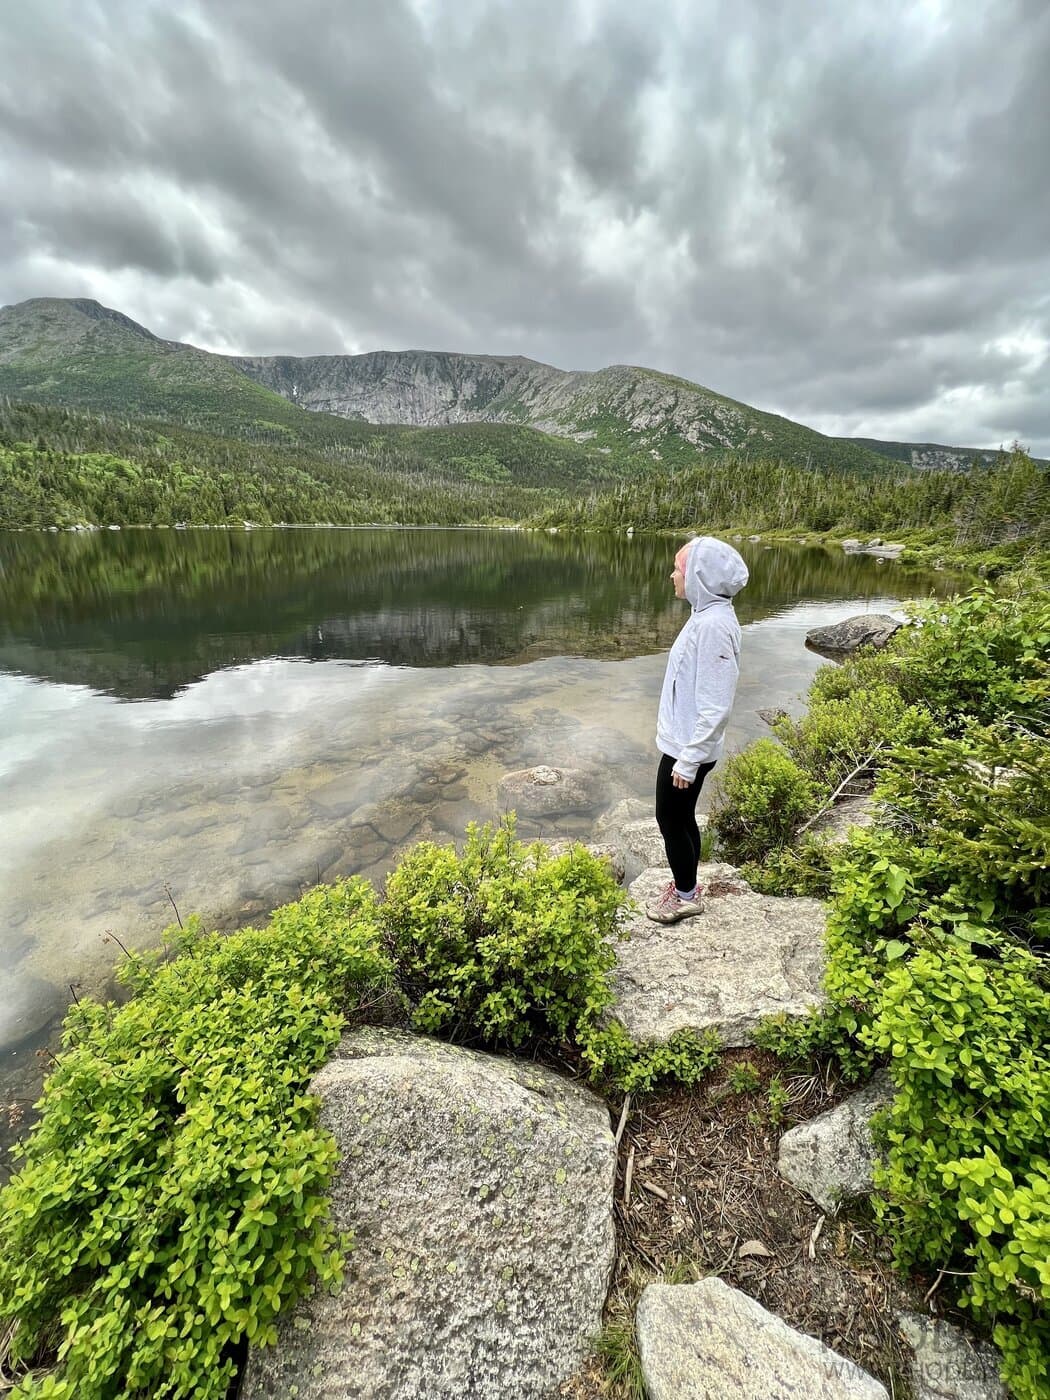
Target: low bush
172 1198
838 735
763 795
502 944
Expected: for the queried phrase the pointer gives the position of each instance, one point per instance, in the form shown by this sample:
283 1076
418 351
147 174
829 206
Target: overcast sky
839 212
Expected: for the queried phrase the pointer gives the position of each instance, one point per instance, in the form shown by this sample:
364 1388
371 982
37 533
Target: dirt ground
698 1193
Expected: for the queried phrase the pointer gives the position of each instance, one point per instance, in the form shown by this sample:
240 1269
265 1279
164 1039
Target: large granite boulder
947 1363
832 1157
746 957
479 1191
548 792
864 630
707 1339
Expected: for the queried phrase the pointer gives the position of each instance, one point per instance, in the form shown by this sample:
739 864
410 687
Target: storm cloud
839 213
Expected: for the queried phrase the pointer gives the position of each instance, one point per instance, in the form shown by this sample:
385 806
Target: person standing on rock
697 696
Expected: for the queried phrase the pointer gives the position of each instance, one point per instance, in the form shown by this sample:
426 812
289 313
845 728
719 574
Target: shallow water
231 717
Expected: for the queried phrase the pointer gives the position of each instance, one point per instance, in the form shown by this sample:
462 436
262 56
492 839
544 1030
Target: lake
219 719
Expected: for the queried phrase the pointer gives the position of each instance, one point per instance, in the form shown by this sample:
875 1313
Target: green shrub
503 944
642 1066
172 1197
975 811
836 735
966 1180
763 795
977 657
804 868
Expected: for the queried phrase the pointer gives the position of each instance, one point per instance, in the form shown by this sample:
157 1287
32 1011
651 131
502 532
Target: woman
699 685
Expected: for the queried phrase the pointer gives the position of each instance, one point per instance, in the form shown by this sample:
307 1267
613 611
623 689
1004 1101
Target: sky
836 212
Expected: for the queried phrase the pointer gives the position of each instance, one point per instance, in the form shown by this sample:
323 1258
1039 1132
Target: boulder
885 551
28 1006
746 957
947 1363
632 827
547 792
708 1339
832 1157
836 823
771 714
479 1191
864 630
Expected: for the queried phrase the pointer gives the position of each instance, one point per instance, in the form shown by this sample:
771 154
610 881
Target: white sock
682 894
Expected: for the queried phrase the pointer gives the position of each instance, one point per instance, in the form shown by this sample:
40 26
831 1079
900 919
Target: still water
231 717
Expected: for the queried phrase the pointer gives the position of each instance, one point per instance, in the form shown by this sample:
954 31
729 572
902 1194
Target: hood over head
714 572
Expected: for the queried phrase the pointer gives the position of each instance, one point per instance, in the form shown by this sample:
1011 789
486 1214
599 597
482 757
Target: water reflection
143 614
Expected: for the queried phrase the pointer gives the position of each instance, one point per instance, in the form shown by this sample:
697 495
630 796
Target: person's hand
678 781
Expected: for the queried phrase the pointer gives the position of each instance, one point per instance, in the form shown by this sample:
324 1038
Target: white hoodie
702 669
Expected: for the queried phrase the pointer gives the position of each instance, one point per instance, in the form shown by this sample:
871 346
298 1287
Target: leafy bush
502 944
836 735
641 1066
975 810
977 657
805 868
966 1180
764 794
172 1198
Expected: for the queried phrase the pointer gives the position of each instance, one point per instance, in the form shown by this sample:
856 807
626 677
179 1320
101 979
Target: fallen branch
860 768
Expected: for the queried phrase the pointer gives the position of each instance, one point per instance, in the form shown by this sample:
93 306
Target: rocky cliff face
427 389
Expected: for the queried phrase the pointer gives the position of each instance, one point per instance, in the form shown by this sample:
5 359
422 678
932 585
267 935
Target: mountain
930 456
487 409
477 417
623 409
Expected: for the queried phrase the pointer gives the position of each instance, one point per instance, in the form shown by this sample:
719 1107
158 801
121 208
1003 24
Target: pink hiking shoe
670 907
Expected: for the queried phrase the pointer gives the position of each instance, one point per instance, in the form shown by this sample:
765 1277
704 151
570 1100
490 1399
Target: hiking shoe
671 907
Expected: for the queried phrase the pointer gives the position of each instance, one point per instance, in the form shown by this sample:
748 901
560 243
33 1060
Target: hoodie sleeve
717 671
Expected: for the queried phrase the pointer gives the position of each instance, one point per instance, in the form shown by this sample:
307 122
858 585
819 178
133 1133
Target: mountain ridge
76 352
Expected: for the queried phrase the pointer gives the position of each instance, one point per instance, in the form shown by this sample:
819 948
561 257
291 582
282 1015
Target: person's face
678 579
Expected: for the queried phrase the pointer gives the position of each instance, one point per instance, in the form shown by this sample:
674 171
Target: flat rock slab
479 1191
947 1363
708 1341
832 1157
746 957
840 820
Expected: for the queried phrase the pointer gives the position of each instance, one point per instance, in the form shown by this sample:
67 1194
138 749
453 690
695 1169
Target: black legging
676 818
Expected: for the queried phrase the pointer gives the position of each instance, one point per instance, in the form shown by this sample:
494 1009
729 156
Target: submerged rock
479 1191
832 1157
28 1005
864 630
746 957
708 1339
548 792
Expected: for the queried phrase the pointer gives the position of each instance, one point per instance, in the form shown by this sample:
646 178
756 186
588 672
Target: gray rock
547 792
340 796
864 630
746 957
885 551
394 821
708 1340
479 1191
949 1364
839 821
28 1005
632 826
832 1156
770 714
